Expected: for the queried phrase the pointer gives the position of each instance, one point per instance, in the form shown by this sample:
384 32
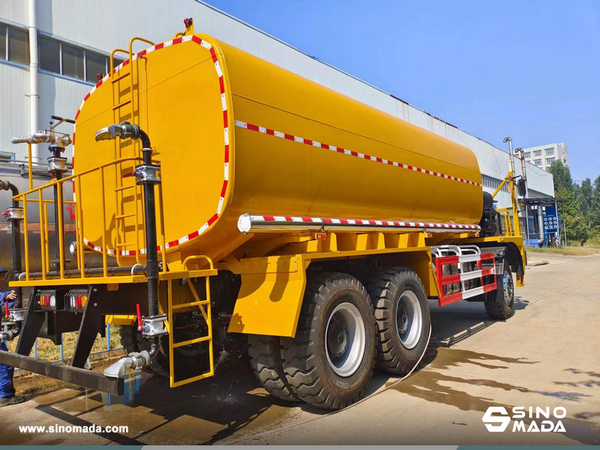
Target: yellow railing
25 198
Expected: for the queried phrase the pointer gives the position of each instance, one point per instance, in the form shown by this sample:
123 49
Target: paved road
547 355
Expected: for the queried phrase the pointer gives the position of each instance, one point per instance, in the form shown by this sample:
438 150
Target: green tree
561 175
585 196
595 213
578 228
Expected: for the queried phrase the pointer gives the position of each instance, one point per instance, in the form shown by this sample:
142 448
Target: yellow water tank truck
229 205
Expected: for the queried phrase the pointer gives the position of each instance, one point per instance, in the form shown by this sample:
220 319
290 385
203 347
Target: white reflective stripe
241 124
469 258
218 67
470 275
206 44
187 38
472 292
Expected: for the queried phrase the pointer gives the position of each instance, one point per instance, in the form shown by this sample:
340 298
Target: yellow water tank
235 134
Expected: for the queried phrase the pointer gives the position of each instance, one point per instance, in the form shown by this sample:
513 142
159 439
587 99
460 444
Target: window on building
549 152
527 155
549 160
116 62
94 64
72 62
537 162
537 153
2 42
49 54
18 45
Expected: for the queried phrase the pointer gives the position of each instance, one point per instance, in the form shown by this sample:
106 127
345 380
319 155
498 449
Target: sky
494 68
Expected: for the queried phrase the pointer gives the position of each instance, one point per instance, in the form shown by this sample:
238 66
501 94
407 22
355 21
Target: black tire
499 304
390 290
133 341
265 359
309 369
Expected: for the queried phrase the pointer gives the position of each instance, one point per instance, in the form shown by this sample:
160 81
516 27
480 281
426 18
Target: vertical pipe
29 156
35 352
541 223
107 336
62 349
33 74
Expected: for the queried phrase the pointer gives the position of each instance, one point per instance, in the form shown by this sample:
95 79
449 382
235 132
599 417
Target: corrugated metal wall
107 24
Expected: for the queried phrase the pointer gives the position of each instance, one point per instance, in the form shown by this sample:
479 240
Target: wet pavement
547 356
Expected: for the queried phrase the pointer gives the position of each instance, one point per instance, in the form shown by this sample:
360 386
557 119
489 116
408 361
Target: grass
28 383
570 251
49 352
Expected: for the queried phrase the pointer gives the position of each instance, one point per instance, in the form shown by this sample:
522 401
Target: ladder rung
185 305
120 105
124 188
125 216
191 341
125 244
120 77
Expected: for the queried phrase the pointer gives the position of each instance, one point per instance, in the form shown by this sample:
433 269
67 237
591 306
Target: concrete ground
547 355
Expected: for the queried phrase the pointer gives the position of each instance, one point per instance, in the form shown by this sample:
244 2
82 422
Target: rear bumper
75 375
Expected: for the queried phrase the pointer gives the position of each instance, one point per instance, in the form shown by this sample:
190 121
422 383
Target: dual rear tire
343 331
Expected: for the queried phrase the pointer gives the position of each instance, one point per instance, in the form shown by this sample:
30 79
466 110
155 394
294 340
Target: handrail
112 55
71 177
79 221
137 38
197 257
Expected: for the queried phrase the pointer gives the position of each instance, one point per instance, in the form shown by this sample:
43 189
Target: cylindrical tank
235 134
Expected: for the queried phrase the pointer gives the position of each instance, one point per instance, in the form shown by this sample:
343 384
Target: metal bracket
57 164
14 213
147 174
154 325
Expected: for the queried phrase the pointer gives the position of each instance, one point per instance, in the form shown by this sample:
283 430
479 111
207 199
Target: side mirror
109 133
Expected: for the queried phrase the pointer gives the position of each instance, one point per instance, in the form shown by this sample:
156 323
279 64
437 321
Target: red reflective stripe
452 298
212 219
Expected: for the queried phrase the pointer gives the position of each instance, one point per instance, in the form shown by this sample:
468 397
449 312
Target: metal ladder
204 305
126 106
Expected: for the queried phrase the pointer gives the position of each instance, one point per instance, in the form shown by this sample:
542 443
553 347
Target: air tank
235 134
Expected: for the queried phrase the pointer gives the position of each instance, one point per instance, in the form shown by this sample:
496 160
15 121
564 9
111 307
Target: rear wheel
499 304
330 361
402 316
265 359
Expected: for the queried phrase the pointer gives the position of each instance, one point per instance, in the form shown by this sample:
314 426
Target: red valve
139 317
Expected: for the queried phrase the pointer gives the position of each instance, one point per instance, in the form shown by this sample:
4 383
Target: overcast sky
525 69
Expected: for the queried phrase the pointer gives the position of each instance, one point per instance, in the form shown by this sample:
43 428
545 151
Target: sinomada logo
528 420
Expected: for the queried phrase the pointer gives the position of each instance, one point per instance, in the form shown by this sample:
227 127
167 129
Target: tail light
76 300
46 300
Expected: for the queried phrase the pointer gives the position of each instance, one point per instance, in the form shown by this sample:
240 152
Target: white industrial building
51 51
543 156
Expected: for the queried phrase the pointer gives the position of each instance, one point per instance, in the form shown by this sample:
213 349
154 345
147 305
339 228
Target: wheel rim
509 290
409 320
345 339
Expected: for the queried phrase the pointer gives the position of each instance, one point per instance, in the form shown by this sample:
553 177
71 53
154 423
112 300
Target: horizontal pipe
251 223
91 271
